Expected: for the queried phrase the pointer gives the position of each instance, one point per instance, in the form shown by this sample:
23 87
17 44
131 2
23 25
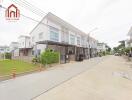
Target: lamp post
89 39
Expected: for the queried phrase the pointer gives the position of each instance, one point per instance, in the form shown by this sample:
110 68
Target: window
38 52
78 40
72 39
32 52
54 34
41 35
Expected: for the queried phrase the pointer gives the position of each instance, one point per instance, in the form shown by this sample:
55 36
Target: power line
29 7
33 6
23 15
40 22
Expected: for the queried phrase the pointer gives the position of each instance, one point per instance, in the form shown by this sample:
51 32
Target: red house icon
12 13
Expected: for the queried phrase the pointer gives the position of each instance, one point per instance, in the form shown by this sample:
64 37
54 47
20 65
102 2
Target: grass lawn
7 66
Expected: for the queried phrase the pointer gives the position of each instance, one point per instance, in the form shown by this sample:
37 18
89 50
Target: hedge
49 57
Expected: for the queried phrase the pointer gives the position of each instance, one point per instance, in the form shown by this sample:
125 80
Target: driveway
30 86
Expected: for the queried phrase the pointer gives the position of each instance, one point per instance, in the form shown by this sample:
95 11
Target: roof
24 36
4 46
57 43
14 43
60 21
54 43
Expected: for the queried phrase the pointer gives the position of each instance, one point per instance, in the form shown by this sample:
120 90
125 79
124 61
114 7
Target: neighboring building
25 47
128 42
4 49
101 47
13 46
24 50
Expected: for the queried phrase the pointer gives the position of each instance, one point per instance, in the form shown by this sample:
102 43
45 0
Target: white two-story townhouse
24 50
101 47
54 33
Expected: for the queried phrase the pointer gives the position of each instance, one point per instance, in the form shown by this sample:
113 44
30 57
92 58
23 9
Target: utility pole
89 39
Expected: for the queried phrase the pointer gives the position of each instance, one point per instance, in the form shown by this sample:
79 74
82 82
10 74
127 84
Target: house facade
24 50
101 47
56 34
14 46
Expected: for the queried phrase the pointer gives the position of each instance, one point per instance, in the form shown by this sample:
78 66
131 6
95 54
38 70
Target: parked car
117 54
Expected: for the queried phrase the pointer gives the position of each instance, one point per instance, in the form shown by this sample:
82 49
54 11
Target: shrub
7 55
36 60
49 57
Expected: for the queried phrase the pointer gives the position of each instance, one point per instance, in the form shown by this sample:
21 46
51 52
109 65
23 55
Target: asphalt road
30 86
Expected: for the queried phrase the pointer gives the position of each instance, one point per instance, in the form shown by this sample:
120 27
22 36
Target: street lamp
89 39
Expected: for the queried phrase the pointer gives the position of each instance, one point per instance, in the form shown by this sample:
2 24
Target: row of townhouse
54 33
128 42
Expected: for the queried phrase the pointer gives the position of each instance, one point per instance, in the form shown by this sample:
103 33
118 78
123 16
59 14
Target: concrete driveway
30 86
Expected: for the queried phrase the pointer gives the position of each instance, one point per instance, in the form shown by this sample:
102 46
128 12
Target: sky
112 18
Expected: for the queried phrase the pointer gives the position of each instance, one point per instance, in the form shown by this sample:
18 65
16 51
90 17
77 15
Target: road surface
30 86
109 80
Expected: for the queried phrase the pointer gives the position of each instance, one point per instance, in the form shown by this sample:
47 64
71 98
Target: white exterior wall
57 26
101 47
41 28
24 42
14 46
16 53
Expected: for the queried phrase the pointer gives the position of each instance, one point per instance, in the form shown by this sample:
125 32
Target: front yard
7 66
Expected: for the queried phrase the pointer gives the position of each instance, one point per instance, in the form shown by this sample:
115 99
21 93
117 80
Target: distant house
24 50
128 42
4 49
13 46
101 47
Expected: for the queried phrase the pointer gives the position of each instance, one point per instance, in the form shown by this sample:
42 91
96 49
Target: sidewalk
98 83
29 86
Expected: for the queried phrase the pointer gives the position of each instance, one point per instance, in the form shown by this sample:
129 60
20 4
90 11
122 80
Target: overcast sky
113 18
